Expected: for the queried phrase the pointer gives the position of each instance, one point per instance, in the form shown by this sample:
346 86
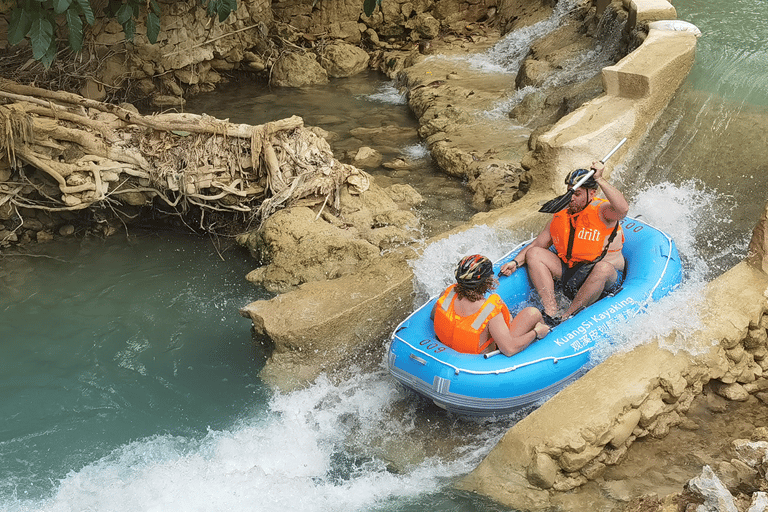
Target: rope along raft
92 155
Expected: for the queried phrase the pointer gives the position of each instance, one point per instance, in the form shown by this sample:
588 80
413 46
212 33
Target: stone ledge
654 68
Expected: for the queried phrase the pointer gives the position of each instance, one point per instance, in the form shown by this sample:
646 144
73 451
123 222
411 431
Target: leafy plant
37 20
370 5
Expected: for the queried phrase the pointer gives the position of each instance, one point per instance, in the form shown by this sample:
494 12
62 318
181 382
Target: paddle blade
557 204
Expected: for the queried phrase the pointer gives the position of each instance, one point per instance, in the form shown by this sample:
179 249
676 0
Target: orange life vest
591 233
462 333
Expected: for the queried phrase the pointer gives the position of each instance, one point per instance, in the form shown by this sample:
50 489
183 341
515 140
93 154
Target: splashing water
434 269
416 152
317 449
688 213
508 54
389 94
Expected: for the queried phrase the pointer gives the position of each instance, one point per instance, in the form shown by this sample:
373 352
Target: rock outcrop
301 244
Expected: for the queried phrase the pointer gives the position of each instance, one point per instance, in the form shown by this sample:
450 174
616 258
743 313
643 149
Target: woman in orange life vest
592 221
468 322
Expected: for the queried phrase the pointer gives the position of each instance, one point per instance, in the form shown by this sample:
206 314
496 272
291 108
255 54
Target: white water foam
323 448
434 269
416 152
389 94
688 213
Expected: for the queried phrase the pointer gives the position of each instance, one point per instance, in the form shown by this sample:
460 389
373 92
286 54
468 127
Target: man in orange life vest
468 322
587 240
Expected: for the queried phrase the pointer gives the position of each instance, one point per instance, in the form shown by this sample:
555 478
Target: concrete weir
586 427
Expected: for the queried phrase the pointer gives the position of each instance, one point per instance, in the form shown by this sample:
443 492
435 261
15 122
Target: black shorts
573 277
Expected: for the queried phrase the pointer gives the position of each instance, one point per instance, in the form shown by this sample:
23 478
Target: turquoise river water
129 382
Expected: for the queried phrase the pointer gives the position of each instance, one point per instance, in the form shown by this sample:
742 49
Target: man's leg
543 268
603 275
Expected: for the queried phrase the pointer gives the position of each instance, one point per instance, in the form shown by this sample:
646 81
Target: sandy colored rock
298 70
757 254
502 475
342 59
312 335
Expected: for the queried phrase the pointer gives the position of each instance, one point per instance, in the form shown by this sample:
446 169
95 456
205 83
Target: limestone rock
751 453
426 26
623 429
298 70
759 502
542 471
321 325
403 194
711 489
303 249
757 254
366 157
735 391
342 59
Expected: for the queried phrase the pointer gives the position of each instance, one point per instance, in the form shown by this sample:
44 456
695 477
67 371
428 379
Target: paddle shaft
604 159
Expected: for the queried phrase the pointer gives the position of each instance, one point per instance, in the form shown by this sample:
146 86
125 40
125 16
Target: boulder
366 157
715 495
341 59
298 70
301 245
425 25
303 248
313 336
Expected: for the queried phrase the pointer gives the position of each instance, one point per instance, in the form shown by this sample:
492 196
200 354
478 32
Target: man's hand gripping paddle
560 202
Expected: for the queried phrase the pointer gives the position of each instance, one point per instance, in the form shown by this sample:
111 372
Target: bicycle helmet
576 175
473 271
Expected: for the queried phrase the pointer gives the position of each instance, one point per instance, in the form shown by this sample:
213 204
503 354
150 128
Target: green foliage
370 5
37 20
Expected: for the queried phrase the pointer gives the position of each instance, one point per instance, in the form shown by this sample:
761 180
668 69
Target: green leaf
40 35
18 26
85 7
230 6
369 6
50 54
124 14
153 27
212 8
129 27
155 7
223 11
59 6
75 28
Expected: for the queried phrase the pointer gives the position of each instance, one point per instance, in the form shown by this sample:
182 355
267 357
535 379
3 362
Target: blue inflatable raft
482 386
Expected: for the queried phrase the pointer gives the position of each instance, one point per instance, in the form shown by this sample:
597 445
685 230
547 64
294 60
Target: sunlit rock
343 59
757 254
297 70
715 495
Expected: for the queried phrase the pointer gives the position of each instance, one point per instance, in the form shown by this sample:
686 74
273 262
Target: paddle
560 202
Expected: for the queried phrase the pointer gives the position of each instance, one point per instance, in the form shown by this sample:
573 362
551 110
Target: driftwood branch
89 153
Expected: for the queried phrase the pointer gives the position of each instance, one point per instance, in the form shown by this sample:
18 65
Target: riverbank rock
298 70
301 244
757 254
324 326
341 59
